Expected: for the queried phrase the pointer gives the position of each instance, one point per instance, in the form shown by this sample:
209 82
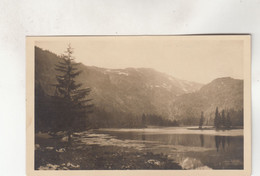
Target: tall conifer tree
217 119
228 121
71 98
201 120
223 119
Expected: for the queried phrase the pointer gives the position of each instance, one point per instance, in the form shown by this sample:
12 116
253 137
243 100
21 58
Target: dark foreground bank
53 153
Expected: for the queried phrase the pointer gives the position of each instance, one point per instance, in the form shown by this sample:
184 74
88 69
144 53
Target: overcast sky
188 58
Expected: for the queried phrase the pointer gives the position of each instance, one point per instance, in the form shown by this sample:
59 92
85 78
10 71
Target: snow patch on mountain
117 72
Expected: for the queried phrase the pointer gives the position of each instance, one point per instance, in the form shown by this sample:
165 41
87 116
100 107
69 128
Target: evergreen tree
201 120
143 120
228 121
223 119
217 119
70 97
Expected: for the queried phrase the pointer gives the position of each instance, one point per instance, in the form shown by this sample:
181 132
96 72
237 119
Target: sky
197 59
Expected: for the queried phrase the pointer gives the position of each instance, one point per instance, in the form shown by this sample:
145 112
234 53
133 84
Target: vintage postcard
139 105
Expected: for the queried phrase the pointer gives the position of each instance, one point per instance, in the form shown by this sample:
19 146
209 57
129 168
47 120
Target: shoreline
53 154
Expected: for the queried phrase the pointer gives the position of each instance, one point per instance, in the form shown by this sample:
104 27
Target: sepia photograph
139 103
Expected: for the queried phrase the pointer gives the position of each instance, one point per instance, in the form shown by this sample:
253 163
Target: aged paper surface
200 64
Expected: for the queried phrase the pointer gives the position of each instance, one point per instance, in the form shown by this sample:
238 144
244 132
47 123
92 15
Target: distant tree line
236 118
101 118
221 121
156 120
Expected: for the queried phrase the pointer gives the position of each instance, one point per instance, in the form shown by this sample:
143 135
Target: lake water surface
192 149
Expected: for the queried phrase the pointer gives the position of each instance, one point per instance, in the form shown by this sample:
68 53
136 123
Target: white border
101 17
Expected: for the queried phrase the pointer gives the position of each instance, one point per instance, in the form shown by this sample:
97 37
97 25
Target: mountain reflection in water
192 149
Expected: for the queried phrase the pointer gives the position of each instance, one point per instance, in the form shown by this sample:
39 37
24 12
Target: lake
190 147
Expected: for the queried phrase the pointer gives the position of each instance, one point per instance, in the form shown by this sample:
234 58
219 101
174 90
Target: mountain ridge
111 84
140 91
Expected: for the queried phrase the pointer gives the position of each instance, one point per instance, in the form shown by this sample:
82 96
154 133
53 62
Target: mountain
225 93
122 94
130 90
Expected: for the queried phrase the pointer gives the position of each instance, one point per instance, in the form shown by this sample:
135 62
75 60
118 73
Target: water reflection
143 137
217 142
228 140
214 151
201 140
222 140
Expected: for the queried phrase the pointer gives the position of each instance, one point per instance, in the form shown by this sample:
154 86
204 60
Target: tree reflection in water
221 140
143 136
202 140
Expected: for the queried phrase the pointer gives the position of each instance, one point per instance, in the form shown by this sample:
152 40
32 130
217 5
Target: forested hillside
121 97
